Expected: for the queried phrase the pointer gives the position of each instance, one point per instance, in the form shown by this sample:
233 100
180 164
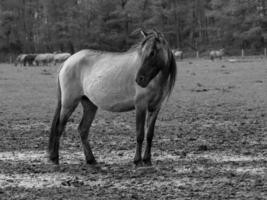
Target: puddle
228 158
237 170
151 185
44 180
249 169
28 127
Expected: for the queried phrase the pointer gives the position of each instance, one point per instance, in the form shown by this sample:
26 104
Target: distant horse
44 59
60 57
29 59
216 54
178 54
20 59
139 79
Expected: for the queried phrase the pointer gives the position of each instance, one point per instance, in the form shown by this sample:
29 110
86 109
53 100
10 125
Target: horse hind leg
61 116
89 111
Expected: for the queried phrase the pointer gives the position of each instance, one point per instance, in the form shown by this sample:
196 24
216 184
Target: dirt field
210 140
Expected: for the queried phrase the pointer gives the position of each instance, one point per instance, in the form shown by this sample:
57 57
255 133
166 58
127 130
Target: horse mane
137 45
172 74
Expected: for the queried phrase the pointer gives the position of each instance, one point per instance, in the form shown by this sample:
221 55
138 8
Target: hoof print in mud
202 147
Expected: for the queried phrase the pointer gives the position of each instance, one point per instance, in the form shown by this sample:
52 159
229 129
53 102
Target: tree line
70 25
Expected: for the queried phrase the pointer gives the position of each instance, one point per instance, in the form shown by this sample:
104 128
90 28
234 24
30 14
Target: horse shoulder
151 96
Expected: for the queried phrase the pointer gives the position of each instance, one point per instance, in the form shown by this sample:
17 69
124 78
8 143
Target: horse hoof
93 165
138 163
54 160
91 162
147 162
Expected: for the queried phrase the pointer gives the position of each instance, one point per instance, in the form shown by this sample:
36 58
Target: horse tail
56 120
172 74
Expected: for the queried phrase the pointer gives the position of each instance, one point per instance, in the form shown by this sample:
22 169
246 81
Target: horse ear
143 33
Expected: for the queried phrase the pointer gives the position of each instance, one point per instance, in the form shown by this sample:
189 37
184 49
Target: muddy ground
210 140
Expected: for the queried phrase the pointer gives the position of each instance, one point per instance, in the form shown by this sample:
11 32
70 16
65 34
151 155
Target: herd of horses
44 59
212 54
41 59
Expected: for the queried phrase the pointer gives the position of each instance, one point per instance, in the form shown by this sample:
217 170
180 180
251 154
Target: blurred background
28 26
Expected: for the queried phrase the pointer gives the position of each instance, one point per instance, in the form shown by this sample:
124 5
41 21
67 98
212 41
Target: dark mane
137 45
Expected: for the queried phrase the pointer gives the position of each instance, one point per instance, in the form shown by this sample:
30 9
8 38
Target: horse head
155 57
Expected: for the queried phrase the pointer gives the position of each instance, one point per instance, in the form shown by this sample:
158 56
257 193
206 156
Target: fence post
242 53
265 52
197 54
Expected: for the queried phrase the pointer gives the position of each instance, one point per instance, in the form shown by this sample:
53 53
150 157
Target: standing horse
29 59
20 59
178 54
216 54
139 79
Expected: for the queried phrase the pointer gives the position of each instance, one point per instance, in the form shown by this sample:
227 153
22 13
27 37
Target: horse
178 54
216 54
60 57
44 59
29 59
20 59
139 79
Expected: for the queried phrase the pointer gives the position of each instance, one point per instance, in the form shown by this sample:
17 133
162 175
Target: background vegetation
49 25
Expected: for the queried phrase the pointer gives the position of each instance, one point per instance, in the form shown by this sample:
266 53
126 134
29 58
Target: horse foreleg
89 111
140 125
152 117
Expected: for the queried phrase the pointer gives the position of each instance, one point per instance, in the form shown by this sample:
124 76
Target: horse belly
110 91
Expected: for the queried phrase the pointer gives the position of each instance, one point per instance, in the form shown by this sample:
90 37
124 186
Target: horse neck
160 81
135 60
